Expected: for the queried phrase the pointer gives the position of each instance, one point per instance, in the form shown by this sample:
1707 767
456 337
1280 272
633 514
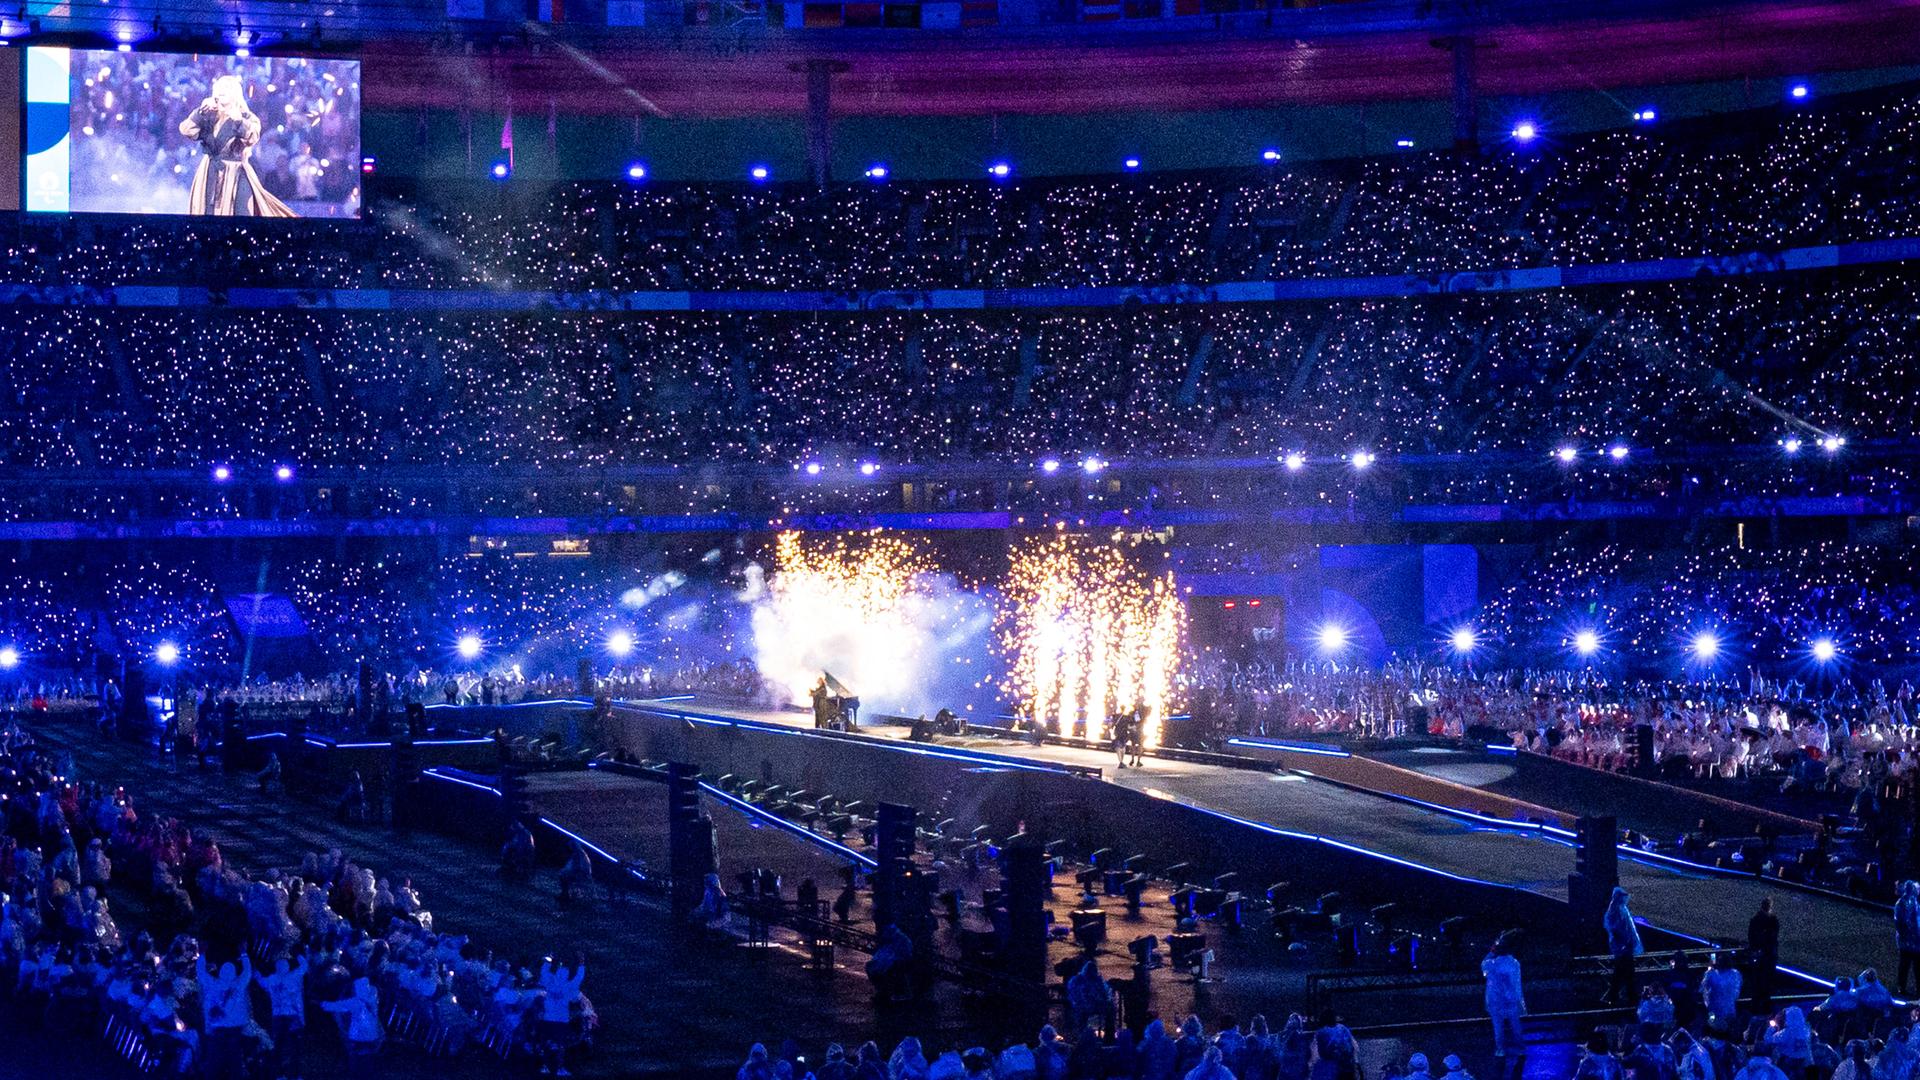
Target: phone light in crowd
1791 445
813 468
1586 642
501 170
1092 465
760 174
9 658
1269 156
1362 460
222 474
283 473
468 646
1050 466
167 653
1706 645
1464 640
877 171
1404 144
868 468
368 164
1331 638
1525 131
620 643
637 171
999 170
1618 452
1132 164
1832 443
1799 91
1294 461
1566 455
1824 650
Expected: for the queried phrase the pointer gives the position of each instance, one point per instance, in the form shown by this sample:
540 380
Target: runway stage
1822 935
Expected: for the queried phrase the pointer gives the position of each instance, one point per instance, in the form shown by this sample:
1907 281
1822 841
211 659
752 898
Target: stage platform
1823 935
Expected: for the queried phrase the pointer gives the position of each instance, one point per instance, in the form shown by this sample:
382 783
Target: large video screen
172 133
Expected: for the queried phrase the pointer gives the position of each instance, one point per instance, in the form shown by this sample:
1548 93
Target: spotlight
1824 650
1586 643
1050 466
1404 144
1269 156
468 646
1566 455
243 52
1330 637
868 468
813 468
1463 640
1791 445
1706 645
222 474
999 170
1832 443
1294 461
1617 452
1132 164
1646 115
1799 91
283 473
9 658
1092 465
637 171
759 173
167 653
877 171
1362 460
1525 131
620 643
501 170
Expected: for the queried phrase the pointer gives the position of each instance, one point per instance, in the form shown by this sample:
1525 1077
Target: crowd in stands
236 972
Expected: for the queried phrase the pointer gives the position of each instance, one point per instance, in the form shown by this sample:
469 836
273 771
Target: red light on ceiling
1228 605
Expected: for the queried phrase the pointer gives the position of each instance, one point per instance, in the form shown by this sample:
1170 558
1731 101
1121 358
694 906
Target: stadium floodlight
1092 465
1404 144
1294 461
760 174
868 468
1269 156
501 170
1586 642
620 642
9 658
222 473
1331 638
1000 170
1705 645
1824 650
1832 443
1050 466
1618 451
468 646
283 473
877 171
814 468
637 171
1464 640
1132 164
1791 445
167 653
1525 131
1566 455
1646 115
1799 91
1362 460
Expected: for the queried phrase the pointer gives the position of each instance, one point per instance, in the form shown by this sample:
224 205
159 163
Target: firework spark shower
876 612
1086 632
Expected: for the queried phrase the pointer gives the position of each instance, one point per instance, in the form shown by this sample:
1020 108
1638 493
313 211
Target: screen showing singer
212 135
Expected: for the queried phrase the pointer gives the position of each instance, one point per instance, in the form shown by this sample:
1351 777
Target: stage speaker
690 841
